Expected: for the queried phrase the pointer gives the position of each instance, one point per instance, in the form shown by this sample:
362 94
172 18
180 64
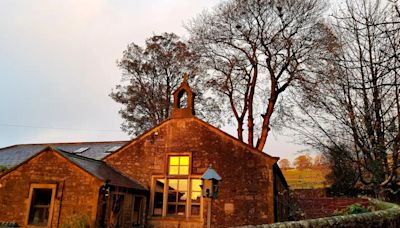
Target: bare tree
320 161
255 50
351 108
150 75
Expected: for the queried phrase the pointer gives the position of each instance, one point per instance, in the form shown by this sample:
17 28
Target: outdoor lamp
209 187
210 181
105 188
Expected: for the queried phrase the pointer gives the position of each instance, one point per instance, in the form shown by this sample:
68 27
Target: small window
178 165
40 206
113 149
182 99
81 150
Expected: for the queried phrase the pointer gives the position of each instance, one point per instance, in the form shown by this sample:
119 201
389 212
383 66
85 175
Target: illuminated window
195 199
177 193
177 196
178 165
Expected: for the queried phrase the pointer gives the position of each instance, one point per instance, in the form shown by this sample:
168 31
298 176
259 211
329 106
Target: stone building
153 180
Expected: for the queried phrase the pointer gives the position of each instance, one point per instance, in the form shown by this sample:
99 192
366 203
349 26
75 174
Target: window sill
176 218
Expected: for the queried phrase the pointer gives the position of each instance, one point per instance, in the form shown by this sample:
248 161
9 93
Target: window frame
179 176
32 188
166 177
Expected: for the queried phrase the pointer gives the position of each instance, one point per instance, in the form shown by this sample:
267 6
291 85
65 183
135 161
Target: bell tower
183 100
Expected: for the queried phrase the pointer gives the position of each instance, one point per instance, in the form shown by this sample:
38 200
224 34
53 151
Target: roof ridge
65 143
234 138
78 156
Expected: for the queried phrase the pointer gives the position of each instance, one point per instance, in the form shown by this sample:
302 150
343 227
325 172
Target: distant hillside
307 178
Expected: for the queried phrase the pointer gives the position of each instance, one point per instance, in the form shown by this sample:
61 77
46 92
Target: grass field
307 178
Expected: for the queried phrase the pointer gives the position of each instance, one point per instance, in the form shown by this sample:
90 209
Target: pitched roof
96 168
16 154
102 171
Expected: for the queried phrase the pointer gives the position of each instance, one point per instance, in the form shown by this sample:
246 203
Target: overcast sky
58 65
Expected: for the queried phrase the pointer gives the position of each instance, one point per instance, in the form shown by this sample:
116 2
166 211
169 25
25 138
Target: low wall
387 215
315 203
323 207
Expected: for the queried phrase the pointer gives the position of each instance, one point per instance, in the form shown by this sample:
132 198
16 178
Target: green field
307 178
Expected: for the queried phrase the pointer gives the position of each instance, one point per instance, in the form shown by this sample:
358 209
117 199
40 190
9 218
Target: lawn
307 178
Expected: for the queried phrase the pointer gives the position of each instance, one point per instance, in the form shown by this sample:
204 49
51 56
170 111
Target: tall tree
284 164
150 75
255 50
353 115
303 162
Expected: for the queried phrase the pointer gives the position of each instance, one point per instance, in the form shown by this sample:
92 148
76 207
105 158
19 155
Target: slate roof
14 155
102 171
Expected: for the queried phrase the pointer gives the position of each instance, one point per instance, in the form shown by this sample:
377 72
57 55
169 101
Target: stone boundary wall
324 207
316 204
387 215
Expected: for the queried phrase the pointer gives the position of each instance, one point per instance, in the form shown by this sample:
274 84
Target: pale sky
58 65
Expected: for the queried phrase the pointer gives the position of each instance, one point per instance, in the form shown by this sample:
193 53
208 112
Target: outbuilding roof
16 154
98 169
102 171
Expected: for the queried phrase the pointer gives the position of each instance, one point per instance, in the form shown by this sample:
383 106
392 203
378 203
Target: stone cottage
153 180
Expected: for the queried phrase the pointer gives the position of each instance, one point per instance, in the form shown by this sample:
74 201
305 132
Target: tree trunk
250 119
240 130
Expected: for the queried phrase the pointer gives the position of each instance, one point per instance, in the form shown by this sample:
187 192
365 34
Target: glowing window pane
173 160
196 197
183 170
173 184
183 185
196 185
178 165
174 170
184 160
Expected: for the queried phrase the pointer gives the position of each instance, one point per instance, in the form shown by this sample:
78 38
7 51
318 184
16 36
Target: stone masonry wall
387 215
77 191
315 204
246 190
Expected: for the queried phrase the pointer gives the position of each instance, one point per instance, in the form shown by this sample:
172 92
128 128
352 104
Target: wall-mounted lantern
105 188
105 193
210 181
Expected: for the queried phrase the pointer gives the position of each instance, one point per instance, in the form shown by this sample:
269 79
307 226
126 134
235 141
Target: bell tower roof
183 100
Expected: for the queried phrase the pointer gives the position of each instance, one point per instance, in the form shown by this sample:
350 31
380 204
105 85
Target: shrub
353 209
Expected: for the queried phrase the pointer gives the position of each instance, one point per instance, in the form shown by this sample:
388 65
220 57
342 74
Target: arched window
183 99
